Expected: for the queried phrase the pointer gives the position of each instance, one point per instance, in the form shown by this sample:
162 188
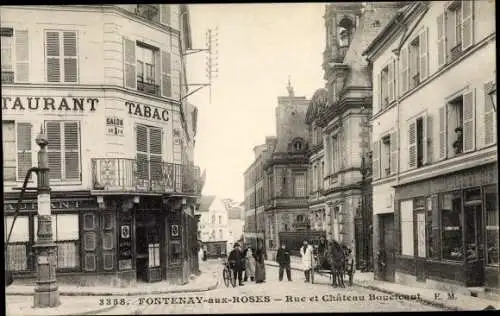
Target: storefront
448 230
114 240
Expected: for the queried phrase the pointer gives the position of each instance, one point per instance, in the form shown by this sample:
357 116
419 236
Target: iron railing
132 175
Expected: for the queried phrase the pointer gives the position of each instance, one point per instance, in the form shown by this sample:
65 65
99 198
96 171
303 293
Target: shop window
17 255
66 235
153 255
432 231
492 225
451 226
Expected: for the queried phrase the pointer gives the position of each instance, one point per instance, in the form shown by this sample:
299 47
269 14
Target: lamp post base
46 289
46 298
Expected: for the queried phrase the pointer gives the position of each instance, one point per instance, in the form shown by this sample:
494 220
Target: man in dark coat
236 261
283 259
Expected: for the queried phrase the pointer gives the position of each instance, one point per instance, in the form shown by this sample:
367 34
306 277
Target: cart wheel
227 277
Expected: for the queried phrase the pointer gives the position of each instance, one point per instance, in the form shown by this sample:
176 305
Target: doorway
474 243
387 254
148 236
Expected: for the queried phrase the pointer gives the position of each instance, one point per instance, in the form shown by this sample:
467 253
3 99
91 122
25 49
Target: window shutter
155 153
424 54
157 74
394 153
404 70
53 57
425 138
467 24
489 118
412 144
441 40
70 57
54 149
129 63
165 14
450 27
24 151
376 159
142 152
390 83
469 121
22 56
442 133
428 144
380 92
166 74
71 151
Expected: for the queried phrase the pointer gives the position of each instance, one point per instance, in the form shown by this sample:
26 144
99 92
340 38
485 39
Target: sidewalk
427 296
23 306
206 281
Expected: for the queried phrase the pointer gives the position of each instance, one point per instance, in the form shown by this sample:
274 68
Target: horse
333 259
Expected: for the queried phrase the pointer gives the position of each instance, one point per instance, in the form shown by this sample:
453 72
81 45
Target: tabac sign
60 104
66 204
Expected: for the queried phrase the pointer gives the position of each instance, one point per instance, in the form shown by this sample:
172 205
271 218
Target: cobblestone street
270 297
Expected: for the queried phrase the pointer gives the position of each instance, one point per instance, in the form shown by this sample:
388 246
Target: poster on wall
174 230
114 126
124 242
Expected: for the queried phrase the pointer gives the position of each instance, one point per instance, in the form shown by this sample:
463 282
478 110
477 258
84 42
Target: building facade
435 155
286 175
108 91
214 225
235 221
340 193
255 188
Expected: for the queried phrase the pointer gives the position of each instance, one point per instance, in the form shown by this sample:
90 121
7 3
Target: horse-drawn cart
335 268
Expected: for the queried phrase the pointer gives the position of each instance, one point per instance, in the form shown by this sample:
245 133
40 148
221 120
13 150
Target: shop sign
147 111
114 126
10 206
124 241
73 104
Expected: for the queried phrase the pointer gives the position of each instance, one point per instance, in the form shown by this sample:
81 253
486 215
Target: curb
86 293
380 289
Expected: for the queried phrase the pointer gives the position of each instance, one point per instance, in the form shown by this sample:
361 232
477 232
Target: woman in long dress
250 264
260 268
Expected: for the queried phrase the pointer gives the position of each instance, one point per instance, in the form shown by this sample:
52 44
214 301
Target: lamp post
46 289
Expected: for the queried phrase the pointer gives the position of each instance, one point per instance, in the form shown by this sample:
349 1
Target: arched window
345 32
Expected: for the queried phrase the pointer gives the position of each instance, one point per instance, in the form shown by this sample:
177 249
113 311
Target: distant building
213 223
435 169
236 223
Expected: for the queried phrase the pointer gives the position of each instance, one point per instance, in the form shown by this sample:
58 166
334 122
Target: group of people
247 264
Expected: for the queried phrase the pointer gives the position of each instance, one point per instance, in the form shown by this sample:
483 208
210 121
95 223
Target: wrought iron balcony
146 176
149 88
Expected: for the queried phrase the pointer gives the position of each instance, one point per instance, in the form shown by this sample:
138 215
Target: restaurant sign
66 204
74 104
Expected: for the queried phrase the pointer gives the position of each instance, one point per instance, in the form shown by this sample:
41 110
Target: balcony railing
149 88
130 175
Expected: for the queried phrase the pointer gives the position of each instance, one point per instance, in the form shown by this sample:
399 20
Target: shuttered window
64 150
469 121
165 14
129 63
489 120
61 53
467 23
22 56
149 152
376 159
441 40
166 74
394 153
9 150
403 70
443 135
424 54
412 144
24 151
7 53
15 55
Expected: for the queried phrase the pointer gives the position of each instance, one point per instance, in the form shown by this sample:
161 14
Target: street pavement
269 297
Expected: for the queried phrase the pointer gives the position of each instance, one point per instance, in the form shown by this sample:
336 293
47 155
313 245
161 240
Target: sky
259 47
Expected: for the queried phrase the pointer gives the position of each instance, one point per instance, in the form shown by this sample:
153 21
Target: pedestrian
250 264
349 261
235 260
307 256
283 259
260 267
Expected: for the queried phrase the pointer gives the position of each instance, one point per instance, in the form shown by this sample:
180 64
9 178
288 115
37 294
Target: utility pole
46 290
255 206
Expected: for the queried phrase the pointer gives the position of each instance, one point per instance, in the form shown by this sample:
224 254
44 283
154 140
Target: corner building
436 190
107 83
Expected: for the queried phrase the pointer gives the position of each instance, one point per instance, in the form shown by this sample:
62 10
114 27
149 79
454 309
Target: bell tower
341 21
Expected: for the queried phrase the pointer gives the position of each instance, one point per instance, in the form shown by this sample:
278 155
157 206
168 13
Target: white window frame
61 57
63 152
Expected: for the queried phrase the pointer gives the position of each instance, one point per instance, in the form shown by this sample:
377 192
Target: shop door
387 243
474 244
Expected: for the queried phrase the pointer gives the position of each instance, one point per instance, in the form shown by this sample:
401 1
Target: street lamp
46 289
